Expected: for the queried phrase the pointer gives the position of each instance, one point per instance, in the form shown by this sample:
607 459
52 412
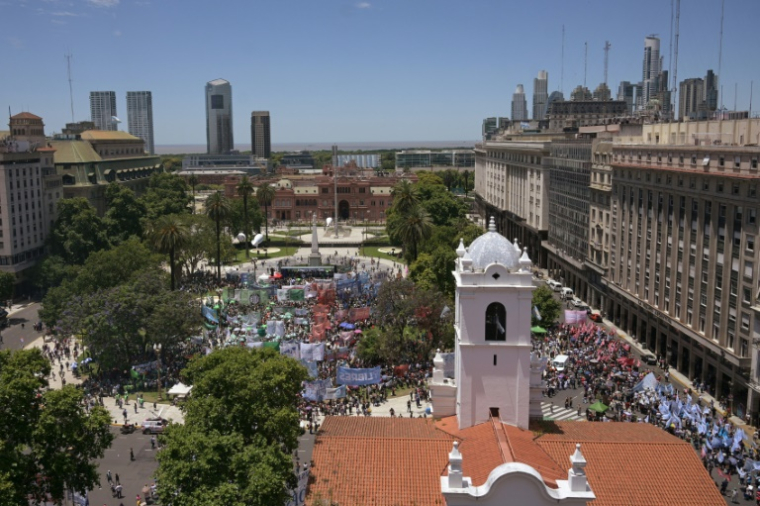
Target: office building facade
422 158
540 95
651 69
140 117
690 96
519 105
568 201
626 92
219 138
103 110
261 140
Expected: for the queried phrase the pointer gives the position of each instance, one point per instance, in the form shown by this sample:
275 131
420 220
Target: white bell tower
494 288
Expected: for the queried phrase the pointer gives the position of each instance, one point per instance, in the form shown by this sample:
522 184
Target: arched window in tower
496 322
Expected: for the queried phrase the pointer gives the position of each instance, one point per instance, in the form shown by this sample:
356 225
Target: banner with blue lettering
357 377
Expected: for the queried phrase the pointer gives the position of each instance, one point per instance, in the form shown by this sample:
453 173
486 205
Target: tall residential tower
261 141
219 140
540 95
103 109
519 105
140 117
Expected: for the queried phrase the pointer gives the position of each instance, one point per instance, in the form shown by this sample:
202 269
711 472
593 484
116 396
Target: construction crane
607 47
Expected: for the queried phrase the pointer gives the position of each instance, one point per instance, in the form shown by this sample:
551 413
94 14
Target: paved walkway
397 403
560 414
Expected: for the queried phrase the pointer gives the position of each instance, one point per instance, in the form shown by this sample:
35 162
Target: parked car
566 293
649 358
554 285
154 426
596 316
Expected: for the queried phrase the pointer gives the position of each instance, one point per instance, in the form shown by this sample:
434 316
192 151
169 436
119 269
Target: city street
15 337
133 475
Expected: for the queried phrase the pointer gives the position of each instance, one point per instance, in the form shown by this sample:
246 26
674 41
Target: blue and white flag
316 390
209 314
290 349
311 367
335 393
358 377
536 313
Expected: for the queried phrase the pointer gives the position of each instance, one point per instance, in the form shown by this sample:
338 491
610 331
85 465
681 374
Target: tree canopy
49 439
125 213
78 231
548 307
166 194
241 425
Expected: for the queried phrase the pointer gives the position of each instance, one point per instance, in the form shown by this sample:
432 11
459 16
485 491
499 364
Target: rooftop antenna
607 47
736 92
585 63
71 87
720 51
562 73
751 87
675 56
672 14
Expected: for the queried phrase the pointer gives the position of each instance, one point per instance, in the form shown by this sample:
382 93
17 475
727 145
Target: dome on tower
492 247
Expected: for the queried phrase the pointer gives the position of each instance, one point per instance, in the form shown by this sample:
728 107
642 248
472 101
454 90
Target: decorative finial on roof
525 261
455 467
516 246
576 476
492 225
460 249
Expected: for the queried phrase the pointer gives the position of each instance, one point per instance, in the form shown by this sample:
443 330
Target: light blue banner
357 377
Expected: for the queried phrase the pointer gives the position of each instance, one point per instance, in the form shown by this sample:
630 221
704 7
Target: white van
554 285
567 293
153 426
560 362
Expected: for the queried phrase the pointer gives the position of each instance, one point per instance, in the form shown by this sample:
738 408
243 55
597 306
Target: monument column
315 258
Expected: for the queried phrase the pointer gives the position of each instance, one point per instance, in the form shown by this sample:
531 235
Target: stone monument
315 259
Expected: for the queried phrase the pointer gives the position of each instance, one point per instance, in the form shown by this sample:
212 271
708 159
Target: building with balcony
568 201
29 193
683 250
511 184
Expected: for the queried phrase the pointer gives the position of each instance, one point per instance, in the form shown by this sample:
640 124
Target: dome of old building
492 247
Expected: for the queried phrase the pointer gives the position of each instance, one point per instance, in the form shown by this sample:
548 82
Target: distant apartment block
103 110
413 159
219 138
261 139
140 117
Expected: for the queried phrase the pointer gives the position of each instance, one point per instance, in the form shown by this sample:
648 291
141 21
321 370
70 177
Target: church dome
492 247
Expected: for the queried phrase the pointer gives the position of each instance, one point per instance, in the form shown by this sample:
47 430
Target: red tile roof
634 463
25 115
399 462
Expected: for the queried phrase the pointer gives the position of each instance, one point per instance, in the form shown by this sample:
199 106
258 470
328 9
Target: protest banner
357 377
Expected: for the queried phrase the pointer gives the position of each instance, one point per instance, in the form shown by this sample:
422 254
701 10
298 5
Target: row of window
704 160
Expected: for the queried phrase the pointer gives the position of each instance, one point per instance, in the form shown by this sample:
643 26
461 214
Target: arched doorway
344 210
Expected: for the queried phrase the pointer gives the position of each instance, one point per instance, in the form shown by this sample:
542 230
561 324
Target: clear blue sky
351 71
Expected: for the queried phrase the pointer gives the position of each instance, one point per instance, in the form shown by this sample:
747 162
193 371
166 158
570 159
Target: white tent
180 389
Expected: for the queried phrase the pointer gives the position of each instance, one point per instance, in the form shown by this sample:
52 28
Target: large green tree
78 231
168 234
166 194
548 307
405 196
265 194
125 213
218 209
244 190
413 228
49 439
241 425
7 285
193 181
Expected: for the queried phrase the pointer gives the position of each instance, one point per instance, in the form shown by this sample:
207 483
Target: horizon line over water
169 149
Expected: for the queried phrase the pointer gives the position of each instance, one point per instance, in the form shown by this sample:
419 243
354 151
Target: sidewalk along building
683 251
486 444
297 197
88 162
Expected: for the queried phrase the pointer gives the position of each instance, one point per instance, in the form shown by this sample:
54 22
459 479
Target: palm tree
405 196
218 209
265 195
414 227
193 181
168 234
245 189
466 180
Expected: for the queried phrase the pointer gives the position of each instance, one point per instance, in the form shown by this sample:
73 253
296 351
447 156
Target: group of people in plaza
617 387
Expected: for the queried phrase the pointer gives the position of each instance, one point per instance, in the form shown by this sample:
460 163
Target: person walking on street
108 476
131 454
116 477
153 442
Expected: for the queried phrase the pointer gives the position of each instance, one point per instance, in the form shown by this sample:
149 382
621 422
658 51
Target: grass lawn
373 251
150 397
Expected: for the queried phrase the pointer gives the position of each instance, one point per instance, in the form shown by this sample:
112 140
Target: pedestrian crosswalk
558 413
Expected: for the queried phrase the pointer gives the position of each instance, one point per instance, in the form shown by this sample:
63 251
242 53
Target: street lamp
157 349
